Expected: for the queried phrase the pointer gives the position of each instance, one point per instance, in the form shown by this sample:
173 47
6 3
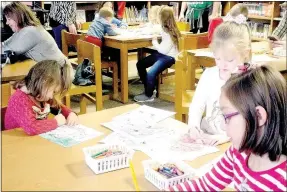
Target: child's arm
119 23
109 30
66 111
164 47
218 178
198 104
26 118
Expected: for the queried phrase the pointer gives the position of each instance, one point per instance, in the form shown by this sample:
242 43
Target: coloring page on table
168 133
68 136
144 115
177 150
142 133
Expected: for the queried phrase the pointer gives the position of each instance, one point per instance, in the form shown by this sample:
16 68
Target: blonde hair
238 9
237 34
106 12
158 13
44 75
153 14
169 25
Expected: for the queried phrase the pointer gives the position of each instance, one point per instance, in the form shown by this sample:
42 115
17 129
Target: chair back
85 26
183 26
5 95
69 39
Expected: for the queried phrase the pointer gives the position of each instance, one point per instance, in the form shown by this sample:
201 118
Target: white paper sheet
177 150
68 136
144 115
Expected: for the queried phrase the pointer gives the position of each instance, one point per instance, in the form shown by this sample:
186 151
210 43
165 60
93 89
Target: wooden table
16 71
32 163
124 44
205 55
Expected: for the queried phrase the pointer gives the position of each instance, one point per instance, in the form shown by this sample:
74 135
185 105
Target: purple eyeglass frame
228 116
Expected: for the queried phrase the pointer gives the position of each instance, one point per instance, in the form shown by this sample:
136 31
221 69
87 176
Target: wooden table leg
124 74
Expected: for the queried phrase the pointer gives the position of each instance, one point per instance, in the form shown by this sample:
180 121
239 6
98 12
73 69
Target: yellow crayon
134 176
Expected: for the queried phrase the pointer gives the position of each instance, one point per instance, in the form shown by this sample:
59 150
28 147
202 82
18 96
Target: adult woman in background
29 38
198 14
63 16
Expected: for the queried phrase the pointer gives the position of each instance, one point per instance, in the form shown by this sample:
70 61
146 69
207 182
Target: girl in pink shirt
254 106
34 99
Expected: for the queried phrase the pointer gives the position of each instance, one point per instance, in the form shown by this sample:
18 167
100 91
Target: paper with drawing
68 136
144 115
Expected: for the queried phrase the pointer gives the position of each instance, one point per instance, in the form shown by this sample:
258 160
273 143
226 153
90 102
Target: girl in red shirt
34 99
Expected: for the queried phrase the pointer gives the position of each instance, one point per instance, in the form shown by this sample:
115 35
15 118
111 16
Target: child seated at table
116 22
101 26
231 47
254 107
163 58
233 14
34 99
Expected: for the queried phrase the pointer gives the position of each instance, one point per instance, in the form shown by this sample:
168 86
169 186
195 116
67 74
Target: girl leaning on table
231 47
254 106
163 58
34 99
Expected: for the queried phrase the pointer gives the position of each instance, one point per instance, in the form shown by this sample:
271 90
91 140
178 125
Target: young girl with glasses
254 106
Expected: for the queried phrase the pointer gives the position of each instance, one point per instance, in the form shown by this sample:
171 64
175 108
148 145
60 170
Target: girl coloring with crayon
231 47
163 58
34 99
254 106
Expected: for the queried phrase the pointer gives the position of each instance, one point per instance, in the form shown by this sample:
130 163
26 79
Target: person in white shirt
231 47
163 58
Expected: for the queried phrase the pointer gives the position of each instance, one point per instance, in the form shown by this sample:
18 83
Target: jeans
158 63
57 34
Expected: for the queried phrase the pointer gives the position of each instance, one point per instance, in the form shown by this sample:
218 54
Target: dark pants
158 63
205 23
57 34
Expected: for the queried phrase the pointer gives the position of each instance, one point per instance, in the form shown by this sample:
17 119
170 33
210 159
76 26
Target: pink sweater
19 113
233 167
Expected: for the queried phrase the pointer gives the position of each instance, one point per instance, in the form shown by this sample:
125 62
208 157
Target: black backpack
85 74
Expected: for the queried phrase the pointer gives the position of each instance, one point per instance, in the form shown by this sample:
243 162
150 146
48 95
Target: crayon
100 153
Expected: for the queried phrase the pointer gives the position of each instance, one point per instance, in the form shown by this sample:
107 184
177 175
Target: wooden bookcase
273 20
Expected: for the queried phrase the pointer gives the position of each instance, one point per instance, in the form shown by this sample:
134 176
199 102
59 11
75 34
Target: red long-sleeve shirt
19 113
233 166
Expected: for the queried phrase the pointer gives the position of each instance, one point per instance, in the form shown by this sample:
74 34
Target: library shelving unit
272 19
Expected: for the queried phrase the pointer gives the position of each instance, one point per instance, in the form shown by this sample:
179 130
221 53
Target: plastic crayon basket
160 181
110 163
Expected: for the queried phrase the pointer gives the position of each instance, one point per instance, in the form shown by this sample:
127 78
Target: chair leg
115 82
158 85
178 116
185 118
83 105
68 101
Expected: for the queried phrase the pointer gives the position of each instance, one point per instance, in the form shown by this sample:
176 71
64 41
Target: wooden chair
69 39
186 70
183 26
188 41
6 92
93 53
85 26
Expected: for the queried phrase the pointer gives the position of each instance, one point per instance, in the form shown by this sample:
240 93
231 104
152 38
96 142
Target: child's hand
154 38
60 119
72 119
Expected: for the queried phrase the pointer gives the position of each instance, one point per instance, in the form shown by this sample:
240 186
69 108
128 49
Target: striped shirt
63 12
233 167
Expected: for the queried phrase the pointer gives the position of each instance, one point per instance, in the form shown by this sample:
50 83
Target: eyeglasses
227 117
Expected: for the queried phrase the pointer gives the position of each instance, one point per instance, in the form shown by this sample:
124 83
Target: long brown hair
21 14
265 87
169 25
44 75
